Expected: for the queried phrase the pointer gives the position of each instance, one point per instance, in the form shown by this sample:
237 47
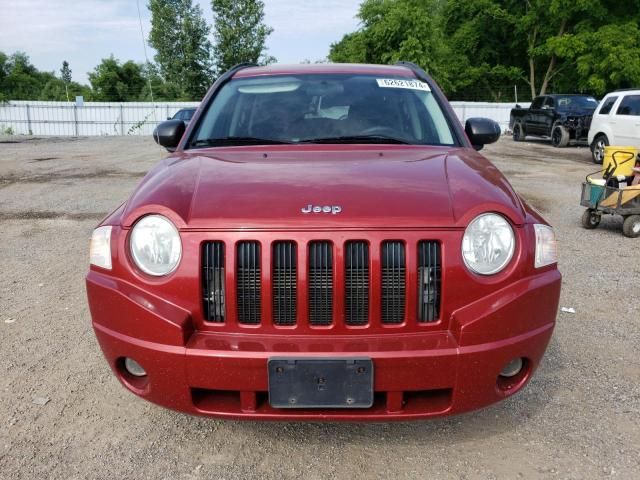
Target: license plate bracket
320 382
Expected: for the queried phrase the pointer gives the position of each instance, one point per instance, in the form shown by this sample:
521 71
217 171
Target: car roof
556 95
626 90
326 68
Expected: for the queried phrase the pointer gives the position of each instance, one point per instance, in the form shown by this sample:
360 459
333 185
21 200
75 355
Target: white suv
615 122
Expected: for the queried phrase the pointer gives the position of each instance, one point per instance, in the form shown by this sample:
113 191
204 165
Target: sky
85 31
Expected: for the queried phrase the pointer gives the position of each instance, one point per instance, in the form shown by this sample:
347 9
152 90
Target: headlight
546 246
155 245
100 248
488 244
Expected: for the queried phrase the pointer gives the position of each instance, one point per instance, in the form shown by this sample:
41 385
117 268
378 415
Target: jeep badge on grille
333 209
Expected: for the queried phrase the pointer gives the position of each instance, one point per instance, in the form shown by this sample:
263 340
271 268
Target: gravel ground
579 417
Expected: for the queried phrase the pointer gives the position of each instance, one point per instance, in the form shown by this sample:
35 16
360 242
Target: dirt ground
578 418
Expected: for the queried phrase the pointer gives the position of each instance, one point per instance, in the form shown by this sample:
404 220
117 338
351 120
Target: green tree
179 34
240 33
65 74
4 68
162 90
22 81
394 30
480 49
605 59
113 81
537 42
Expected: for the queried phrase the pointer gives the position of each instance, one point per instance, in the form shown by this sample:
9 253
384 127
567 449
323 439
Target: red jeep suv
324 243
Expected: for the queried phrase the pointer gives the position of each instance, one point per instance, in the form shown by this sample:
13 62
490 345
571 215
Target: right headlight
488 244
155 245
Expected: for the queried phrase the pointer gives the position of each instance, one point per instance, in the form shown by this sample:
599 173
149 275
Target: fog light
512 368
134 368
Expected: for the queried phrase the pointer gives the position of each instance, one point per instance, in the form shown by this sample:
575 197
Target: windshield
323 109
577 103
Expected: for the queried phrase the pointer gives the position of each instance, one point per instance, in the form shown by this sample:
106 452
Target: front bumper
417 375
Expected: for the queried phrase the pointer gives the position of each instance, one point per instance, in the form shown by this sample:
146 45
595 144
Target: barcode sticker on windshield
409 84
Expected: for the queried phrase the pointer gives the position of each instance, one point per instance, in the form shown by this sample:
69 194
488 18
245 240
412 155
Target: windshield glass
576 103
323 109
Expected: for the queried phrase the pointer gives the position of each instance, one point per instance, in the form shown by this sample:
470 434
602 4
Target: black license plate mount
320 382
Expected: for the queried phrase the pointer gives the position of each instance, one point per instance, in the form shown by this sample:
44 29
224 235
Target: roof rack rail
419 71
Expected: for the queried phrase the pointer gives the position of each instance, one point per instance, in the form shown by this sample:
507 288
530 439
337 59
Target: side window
607 105
537 103
179 115
630 105
549 102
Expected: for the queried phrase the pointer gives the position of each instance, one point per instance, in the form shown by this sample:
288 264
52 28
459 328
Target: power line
144 47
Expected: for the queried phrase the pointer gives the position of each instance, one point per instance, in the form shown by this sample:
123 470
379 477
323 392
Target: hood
283 187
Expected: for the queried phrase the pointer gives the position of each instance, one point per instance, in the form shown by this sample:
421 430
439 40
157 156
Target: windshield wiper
236 141
357 139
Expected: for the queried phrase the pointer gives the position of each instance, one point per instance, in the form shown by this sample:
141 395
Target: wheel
518 132
590 219
631 226
597 148
559 136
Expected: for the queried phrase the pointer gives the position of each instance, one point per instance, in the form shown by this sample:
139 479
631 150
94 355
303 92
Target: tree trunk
532 66
547 77
552 62
532 77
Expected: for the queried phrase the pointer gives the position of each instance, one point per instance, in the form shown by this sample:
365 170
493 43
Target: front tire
518 132
631 226
591 219
597 148
559 136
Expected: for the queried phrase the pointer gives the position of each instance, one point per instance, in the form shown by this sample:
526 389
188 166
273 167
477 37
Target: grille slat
429 281
248 282
284 282
357 283
393 282
320 283
213 284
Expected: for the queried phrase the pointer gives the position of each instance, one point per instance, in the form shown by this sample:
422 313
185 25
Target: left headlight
155 245
488 244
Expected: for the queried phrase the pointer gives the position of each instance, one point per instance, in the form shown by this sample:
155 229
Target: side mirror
168 118
482 131
518 106
168 134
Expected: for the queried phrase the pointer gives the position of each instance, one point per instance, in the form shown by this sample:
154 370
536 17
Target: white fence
90 119
102 118
499 112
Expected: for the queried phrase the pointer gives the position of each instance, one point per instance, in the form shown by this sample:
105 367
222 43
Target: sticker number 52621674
400 83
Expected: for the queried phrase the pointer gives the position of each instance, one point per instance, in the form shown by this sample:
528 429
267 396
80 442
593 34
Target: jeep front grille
429 274
284 282
320 283
213 281
248 282
393 282
356 283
